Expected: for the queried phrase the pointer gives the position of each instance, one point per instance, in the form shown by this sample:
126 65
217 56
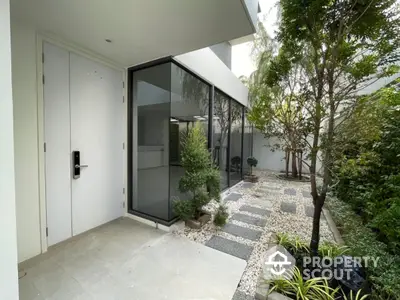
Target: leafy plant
363 242
332 250
221 216
312 289
184 209
252 162
201 180
355 296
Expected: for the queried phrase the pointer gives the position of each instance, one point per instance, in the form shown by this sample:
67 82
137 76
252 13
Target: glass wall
221 136
152 88
189 104
247 144
166 101
236 143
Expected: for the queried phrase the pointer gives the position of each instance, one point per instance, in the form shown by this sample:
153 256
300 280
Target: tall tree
351 44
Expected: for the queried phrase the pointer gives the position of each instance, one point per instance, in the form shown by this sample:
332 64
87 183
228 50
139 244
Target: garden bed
279 198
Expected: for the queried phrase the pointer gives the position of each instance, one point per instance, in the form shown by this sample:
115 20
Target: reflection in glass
247 145
152 88
189 104
221 130
236 143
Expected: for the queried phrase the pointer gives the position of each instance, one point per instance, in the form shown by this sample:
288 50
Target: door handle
76 163
81 166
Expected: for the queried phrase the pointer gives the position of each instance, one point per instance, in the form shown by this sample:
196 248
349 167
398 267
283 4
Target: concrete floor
128 260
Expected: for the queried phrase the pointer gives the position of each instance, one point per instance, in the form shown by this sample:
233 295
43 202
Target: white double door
83 112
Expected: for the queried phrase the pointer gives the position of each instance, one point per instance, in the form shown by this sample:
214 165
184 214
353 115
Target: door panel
57 138
96 131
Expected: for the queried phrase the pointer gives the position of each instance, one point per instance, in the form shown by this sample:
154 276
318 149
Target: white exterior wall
206 64
273 160
8 258
26 140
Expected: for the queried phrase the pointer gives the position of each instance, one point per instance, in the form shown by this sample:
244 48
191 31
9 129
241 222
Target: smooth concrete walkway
128 260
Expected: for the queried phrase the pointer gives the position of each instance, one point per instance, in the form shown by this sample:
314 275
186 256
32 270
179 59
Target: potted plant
201 181
252 162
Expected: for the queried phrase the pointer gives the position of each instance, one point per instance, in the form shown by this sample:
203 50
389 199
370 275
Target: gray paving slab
263 202
247 185
270 187
288 207
255 210
230 247
306 194
291 192
239 295
261 222
233 197
246 233
309 210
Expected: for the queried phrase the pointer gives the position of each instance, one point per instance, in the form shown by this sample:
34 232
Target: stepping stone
291 192
288 207
309 210
249 220
306 194
230 247
255 210
233 197
241 296
243 232
270 187
247 185
265 203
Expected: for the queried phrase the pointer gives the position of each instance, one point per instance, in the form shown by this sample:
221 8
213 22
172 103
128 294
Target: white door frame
40 39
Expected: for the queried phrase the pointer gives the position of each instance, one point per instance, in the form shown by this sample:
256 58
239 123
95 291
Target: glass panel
221 130
152 88
236 143
189 104
247 145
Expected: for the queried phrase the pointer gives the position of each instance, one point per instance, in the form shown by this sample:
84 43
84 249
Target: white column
8 232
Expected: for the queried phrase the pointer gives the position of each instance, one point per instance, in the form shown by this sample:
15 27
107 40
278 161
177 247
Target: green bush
362 241
201 179
367 166
221 216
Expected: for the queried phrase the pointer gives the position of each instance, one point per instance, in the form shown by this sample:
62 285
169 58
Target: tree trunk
316 226
294 163
287 159
300 161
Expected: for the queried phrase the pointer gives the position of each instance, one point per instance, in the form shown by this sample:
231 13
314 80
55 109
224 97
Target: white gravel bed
278 221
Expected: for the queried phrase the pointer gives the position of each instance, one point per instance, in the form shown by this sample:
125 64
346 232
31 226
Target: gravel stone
230 247
288 207
249 219
255 210
243 232
306 194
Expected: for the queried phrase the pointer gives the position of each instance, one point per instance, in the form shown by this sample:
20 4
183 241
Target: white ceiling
140 30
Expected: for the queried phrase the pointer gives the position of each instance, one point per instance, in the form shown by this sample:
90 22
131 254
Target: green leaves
201 180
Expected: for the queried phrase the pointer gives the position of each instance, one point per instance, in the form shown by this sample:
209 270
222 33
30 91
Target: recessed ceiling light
108 40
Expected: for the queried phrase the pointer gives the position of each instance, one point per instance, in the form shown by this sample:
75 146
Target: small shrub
184 209
252 162
362 241
201 179
221 216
